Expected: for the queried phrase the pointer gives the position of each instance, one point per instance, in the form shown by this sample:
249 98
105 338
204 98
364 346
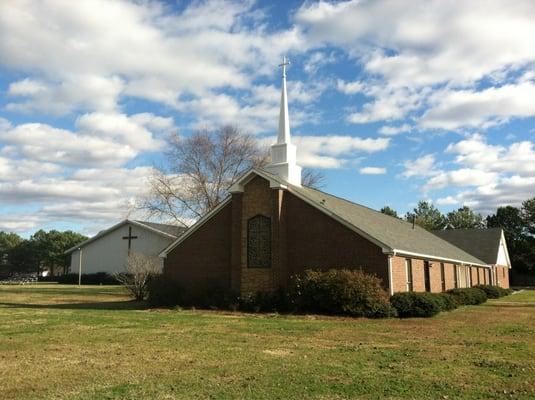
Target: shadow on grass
102 305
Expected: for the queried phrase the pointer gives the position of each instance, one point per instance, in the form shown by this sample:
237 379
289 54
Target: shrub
468 296
139 269
494 292
163 292
278 301
341 292
413 304
446 301
219 298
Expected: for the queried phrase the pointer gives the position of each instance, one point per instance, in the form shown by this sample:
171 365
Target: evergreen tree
389 211
427 216
464 218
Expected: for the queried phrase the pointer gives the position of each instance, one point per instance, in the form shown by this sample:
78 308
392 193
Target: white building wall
109 252
502 258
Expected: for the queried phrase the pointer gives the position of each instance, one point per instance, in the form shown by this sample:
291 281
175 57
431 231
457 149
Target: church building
271 227
109 249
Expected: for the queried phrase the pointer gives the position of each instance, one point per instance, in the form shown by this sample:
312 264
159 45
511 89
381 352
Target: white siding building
108 250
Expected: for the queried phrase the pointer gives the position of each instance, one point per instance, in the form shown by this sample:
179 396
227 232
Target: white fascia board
436 258
390 277
504 244
150 228
238 186
195 227
97 236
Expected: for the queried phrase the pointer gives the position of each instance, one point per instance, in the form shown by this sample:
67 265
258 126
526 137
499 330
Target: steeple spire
284 120
284 153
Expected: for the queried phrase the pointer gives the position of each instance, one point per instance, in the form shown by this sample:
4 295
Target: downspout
390 278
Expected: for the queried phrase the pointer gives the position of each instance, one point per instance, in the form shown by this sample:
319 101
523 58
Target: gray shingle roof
391 232
482 243
166 228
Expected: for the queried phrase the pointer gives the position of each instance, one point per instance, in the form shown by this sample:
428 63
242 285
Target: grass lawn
64 342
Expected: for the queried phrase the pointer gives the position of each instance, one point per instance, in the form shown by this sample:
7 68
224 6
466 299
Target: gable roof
169 231
174 230
393 235
482 243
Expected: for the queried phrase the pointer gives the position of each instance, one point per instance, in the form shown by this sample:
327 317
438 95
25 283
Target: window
442 277
408 269
456 276
259 242
427 276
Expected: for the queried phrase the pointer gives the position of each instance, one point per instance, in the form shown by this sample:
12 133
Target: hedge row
494 292
331 292
334 292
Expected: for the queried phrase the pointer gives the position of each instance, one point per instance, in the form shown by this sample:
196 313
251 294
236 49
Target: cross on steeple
285 62
129 237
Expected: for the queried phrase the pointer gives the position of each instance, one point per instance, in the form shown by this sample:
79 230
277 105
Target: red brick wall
399 276
450 277
203 260
315 240
503 276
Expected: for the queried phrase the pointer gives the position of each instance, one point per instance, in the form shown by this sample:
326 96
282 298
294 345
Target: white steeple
283 153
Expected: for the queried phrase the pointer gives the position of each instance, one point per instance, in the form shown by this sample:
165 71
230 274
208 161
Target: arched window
259 242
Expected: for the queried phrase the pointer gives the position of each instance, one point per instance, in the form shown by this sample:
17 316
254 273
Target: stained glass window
259 242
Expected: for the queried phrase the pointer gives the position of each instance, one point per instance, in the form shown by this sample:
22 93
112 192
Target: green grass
64 342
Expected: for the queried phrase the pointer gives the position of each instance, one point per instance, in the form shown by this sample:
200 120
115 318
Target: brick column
236 240
279 239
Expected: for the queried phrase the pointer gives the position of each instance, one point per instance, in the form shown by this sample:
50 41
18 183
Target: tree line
518 224
42 251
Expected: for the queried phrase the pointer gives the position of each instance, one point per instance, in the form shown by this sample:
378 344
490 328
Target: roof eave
436 258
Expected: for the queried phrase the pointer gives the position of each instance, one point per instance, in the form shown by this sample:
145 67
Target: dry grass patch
65 342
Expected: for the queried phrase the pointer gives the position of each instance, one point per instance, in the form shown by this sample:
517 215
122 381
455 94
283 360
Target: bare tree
312 179
139 269
200 168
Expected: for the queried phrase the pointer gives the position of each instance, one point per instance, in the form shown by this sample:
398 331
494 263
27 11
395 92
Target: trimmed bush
341 292
163 292
447 301
278 301
413 304
494 292
468 296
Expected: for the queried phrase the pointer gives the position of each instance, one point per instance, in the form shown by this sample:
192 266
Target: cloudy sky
393 103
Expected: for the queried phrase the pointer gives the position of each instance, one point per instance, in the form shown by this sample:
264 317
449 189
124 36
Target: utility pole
80 267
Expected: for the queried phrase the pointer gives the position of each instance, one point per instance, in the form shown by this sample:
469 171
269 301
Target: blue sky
392 102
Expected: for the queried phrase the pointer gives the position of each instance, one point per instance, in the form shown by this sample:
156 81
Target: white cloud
74 92
496 175
41 142
420 167
334 151
372 170
410 51
461 177
394 130
318 60
429 42
452 109
121 128
350 87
